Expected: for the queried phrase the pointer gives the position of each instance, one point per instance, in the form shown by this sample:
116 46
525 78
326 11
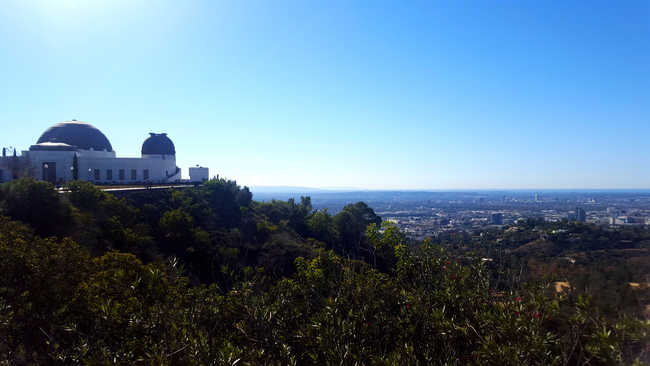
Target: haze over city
372 95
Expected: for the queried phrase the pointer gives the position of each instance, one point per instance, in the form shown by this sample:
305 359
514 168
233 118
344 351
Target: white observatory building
77 150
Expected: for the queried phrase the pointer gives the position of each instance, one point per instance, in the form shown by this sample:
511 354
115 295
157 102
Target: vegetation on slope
208 276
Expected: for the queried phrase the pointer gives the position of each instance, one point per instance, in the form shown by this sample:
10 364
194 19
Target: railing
142 185
178 170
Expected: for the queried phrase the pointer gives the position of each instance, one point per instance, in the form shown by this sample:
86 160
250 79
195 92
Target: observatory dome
158 144
75 133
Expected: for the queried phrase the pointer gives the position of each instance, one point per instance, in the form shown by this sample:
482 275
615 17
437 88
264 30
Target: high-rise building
581 215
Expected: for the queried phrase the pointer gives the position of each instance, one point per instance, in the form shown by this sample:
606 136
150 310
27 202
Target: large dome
80 134
158 144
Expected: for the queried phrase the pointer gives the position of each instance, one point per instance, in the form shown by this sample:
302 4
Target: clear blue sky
368 94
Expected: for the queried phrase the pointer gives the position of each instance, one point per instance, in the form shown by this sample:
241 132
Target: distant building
77 150
581 215
495 218
199 174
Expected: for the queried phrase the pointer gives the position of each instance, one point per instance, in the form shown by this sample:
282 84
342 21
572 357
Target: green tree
321 227
35 203
350 225
103 223
177 224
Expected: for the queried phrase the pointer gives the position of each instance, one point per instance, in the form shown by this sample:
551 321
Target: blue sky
366 94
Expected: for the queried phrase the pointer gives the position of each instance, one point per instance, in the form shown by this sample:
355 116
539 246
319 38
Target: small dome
158 144
80 134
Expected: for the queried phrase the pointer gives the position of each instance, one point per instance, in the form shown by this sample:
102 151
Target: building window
2 178
121 174
96 174
109 174
134 174
145 174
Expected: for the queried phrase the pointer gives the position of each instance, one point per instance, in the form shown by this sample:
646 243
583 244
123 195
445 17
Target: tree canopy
206 275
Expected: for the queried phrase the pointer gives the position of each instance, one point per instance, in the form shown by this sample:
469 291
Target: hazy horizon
293 189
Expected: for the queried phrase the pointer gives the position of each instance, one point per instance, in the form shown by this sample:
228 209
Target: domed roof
158 144
80 134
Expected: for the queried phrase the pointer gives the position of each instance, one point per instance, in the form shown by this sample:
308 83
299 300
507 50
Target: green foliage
225 197
206 276
385 243
436 309
37 291
101 222
177 224
350 226
321 226
35 203
295 215
84 195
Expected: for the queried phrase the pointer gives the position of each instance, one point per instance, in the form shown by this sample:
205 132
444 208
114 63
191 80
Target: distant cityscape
423 214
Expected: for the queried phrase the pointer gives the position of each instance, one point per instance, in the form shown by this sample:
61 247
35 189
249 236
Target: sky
369 94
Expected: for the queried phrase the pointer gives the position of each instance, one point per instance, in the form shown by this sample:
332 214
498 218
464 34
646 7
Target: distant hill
539 246
295 189
285 189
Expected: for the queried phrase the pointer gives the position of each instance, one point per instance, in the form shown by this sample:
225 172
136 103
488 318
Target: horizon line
355 189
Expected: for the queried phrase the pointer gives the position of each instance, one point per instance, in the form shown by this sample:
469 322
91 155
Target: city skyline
409 95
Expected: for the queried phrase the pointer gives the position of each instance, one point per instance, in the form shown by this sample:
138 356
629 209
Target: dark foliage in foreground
220 279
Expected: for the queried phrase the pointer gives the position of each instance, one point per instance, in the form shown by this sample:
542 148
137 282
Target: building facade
199 174
77 150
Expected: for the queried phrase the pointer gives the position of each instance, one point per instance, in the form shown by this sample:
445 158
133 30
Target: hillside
207 275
